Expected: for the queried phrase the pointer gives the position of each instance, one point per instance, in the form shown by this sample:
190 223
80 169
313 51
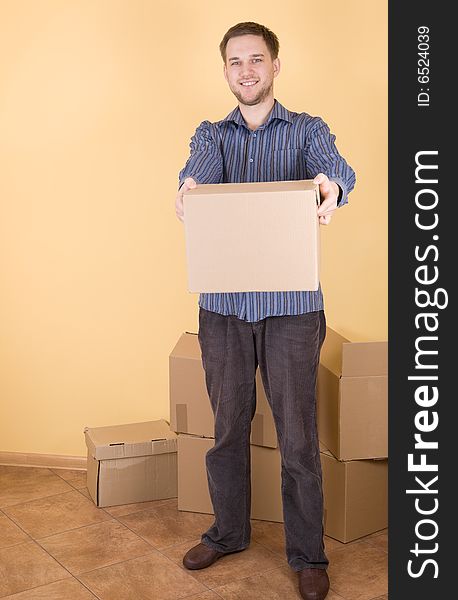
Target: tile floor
56 545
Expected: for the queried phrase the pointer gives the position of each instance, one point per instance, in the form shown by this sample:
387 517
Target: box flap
353 359
186 347
327 408
132 439
364 358
331 351
324 450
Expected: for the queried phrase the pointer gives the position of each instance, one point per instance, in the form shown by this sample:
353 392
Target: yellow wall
98 100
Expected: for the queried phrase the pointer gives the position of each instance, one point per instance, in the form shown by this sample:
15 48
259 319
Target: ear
225 71
276 64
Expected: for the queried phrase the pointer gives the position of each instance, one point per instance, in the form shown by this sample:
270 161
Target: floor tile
372 535
270 535
54 514
368 537
331 544
128 509
151 577
165 526
255 559
379 541
67 589
204 596
86 493
135 551
276 584
358 571
333 596
95 546
10 534
26 566
272 585
75 477
21 484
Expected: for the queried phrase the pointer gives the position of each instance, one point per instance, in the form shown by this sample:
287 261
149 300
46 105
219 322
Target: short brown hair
250 28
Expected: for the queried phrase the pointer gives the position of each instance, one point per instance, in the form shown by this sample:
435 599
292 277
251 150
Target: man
281 331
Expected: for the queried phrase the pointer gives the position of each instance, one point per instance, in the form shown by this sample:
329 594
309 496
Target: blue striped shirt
288 146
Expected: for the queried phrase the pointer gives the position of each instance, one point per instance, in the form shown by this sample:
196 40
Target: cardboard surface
131 463
190 409
266 500
355 492
363 417
352 398
193 494
353 359
252 236
355 497
132 439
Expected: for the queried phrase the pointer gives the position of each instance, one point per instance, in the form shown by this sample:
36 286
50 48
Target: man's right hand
188 184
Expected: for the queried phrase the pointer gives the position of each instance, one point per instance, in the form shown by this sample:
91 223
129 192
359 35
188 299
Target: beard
262 94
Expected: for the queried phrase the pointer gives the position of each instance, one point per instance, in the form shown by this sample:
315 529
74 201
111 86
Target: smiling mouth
249 83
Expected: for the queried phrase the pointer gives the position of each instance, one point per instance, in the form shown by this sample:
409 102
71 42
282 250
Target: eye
257 60
233 64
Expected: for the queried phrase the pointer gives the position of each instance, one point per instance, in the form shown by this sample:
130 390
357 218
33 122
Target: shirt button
251 160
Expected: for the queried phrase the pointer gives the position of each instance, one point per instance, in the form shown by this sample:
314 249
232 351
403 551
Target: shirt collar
278 112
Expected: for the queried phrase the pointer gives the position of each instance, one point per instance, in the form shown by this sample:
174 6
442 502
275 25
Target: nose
246 71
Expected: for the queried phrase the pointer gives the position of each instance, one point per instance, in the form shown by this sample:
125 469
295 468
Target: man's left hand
329 192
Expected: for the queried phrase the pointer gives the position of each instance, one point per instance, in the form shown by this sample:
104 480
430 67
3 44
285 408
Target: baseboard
51 461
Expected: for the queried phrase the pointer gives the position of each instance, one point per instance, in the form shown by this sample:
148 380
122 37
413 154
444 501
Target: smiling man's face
249 69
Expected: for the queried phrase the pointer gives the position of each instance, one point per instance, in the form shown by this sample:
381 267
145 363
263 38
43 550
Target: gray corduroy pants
287 350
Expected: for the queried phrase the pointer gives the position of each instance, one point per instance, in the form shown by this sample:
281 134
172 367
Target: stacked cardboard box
352 415
355 491
355 496
193 494
190 410
192 418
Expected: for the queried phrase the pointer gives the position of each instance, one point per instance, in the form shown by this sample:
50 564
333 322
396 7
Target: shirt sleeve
323 157
205 163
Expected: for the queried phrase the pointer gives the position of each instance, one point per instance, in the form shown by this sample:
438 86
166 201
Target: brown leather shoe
313 584
200 557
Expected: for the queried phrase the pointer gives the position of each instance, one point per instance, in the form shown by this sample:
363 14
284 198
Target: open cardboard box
131 463
190 409
352 397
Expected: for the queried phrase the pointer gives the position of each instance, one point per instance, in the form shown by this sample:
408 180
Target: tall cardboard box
266 500
193 494
190 409
352 397
131 463
355 496
252 236
355 492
